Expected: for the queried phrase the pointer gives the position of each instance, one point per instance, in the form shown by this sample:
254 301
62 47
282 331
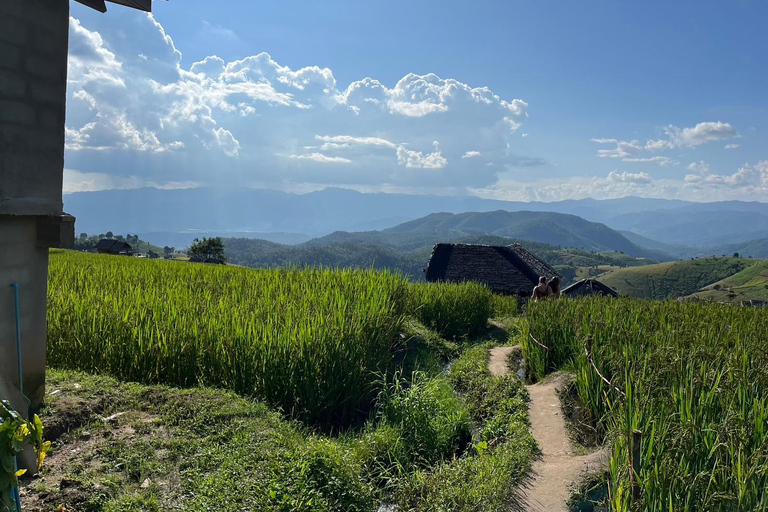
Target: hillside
673 279
407 253
545 227
749 284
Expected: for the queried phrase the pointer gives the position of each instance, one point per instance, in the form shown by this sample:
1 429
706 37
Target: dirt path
558 469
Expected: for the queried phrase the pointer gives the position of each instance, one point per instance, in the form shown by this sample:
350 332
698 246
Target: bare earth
558 470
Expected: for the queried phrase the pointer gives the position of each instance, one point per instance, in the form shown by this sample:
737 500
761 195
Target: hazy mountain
250 211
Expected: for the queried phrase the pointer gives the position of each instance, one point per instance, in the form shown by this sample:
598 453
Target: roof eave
101 6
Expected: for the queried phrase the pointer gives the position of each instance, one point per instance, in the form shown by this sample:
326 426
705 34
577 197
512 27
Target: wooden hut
587 287
509 270
111 246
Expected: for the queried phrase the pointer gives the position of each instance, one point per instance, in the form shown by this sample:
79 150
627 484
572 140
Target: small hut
508 270
111 246
587 287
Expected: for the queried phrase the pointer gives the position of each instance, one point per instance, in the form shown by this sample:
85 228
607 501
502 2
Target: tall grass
692 377
308 341
453 310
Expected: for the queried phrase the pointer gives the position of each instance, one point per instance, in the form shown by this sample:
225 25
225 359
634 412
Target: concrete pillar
33 79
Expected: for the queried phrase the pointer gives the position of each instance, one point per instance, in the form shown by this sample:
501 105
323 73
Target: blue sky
520 100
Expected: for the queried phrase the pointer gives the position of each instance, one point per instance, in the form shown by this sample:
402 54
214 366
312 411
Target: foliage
15 434
307 341
207 248
431 423
485 478
452 310
692 377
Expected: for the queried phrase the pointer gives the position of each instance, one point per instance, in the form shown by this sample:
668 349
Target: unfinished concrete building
33 80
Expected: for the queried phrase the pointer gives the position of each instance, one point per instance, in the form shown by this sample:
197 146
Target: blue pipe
17 496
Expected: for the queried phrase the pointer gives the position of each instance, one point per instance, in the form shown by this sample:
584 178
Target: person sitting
553 287
541 290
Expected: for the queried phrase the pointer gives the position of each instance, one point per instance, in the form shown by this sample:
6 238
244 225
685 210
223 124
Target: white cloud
628 177
325 159
471 154
700 134
348 140
418 160
732 146
525 135
134 110
659 160
623 148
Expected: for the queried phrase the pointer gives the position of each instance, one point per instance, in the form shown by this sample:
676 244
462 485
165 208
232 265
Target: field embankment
692 377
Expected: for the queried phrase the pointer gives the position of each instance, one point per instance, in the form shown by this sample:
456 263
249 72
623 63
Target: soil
558 472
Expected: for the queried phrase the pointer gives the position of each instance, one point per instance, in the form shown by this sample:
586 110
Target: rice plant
692 377
308 341
451 309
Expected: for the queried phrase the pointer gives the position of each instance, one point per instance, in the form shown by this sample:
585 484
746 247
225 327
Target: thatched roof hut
510 270
587 287
111 246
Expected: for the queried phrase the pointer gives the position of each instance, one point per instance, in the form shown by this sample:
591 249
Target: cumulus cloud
700 134
471 154
135 109
419 160
732 146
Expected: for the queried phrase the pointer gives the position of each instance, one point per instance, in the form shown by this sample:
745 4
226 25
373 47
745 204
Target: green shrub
419 424
452 310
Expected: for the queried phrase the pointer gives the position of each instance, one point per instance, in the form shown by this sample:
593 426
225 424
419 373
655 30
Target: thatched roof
589 287
504 269
101 6
112 246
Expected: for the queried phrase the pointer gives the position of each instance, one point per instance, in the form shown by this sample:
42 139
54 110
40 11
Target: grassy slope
673 279
749 284
203 449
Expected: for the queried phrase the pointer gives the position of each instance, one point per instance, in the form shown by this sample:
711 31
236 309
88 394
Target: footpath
558 470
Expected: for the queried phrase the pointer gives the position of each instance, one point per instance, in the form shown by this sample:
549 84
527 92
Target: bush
452 310
418 425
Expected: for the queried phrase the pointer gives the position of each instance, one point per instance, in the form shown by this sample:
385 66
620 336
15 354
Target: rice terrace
383 257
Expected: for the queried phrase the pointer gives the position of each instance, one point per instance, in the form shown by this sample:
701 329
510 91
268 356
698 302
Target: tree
83 236
109 234
152 254
735 255
207 248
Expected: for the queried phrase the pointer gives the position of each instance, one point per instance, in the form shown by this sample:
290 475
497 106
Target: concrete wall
33 80
22 262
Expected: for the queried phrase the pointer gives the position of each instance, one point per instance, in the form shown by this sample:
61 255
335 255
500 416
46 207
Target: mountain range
174 217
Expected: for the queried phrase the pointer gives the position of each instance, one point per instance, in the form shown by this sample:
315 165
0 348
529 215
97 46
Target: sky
514 99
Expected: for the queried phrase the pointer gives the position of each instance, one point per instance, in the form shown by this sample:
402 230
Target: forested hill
546 227
405 253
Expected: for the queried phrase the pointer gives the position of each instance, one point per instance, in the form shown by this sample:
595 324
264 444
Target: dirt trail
558 469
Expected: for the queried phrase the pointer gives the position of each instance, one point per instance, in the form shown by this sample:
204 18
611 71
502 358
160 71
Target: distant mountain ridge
319 213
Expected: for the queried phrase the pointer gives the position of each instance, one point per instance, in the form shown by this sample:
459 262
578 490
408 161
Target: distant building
110 246
509 270
587 287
